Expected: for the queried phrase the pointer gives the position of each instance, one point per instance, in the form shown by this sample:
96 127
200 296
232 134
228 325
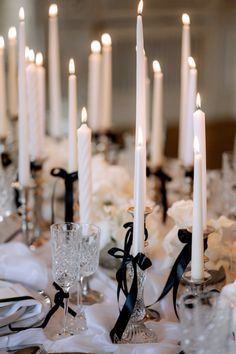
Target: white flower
182 213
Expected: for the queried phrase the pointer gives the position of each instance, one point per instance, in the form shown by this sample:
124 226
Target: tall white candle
32 104
140 140
12 73
3 111
157 141
191 102
54 73
106 97
199 130
85 170
138 235
72 160
147 103
23 163
185 53
197 263
94 86
41 90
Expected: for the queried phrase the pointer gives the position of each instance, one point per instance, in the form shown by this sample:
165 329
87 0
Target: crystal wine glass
88 263
65 246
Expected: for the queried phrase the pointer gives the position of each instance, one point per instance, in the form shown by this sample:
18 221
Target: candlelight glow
198 101
185 19
12 33
95 47
84 115
140 7
2 44
196 147
191 63
156 66
22 14
31 56
106 39
71 66
140 137
39 59
27 53
53 10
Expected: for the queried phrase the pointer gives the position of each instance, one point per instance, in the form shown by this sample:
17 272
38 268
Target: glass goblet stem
65 314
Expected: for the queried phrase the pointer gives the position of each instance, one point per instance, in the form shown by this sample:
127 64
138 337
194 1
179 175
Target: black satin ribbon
141 261
189 173
6 159
69 179
179 266
164 178
58 302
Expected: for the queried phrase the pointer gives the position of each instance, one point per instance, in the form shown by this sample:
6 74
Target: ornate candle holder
136 332
130 326
25 210
150 314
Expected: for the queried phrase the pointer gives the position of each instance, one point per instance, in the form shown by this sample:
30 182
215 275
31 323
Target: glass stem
79 293
65 314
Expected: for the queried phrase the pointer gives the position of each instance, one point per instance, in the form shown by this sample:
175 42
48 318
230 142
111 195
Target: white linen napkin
16 310
19 264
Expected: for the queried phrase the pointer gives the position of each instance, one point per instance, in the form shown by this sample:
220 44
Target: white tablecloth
101 319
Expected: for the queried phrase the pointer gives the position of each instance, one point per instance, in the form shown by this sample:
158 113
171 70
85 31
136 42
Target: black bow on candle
6 159
69 179
164 178
121 276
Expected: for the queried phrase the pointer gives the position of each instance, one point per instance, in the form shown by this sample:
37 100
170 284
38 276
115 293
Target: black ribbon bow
131 294
58 302
6 159
179 266
164 178
69 179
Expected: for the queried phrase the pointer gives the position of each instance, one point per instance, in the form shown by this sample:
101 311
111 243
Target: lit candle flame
53 10
156 66
185 19
27 53
106 39
95 47
31 56
140 137
2 43
39 59
191 63
140 7
196 146
71 67
198 101
84 115
12 33
22 14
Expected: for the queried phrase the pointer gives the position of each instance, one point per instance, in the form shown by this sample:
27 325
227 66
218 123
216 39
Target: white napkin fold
16 310
19 264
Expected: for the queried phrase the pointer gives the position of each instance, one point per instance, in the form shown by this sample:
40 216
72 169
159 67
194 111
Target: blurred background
213 39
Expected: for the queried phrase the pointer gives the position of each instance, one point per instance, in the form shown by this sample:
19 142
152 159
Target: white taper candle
185 53
157 141
191 104
106 82
85 169
72 159
23 163
197 261
199 129
54 73
41 90
94 86
12 73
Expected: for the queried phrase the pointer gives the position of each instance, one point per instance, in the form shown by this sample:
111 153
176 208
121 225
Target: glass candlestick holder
150 314
136 332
